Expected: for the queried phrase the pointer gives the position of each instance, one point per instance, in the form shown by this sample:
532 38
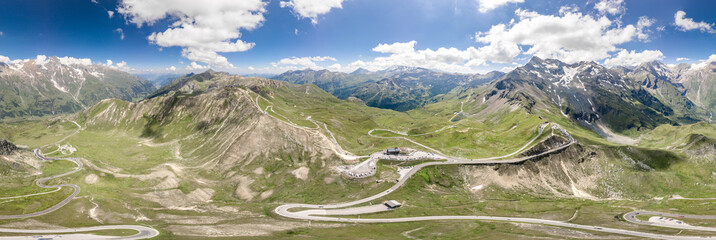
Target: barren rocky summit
6 148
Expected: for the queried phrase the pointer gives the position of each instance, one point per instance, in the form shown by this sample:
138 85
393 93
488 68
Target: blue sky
275 36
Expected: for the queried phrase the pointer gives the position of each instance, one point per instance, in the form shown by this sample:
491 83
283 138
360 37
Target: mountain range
623 99
224 147
620 99
399 88
62 85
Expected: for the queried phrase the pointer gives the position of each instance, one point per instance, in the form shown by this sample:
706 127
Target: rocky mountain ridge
399 88
621 99
47 86
6 148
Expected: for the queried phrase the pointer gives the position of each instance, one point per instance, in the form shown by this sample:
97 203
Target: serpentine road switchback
142 231
321 212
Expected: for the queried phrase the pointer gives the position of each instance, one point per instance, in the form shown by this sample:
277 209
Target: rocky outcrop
6 148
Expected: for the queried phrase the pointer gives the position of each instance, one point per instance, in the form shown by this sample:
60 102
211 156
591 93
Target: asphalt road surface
142 231
631 217
318 212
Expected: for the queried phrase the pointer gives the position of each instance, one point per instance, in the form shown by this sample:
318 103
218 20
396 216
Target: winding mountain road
142 231
324 210
631 217
320 212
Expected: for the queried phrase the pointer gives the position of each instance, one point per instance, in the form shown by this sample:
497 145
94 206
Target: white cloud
335 67
397 47
682 59
202 29
109 63
704 63
302 62
612 7
571 37
250 68
295 31
121 33
445 59
489 5
110 13
71 61
172 68
1 33
642 27
40 59
123 66
568 9
633 58
196 66
686 24
311 9
508 68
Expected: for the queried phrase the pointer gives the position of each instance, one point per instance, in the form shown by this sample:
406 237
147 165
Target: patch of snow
569 74
537 73
582 84
54 83
477 188
97 74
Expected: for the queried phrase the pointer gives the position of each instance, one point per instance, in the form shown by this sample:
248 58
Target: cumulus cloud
335 67
682 59
311 9
642 27
568 9
397 47
302 62
121 33
110 13
196 66
445 59
79 61
489 5
612 7
571 37
40 59
633 58
172 68
123 66
704 63
686 24
203 29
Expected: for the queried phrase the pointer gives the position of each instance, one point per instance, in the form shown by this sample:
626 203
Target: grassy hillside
217 155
